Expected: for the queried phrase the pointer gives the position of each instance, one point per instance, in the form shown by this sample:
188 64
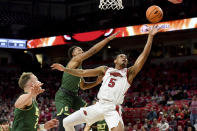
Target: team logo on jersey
85 112
116 74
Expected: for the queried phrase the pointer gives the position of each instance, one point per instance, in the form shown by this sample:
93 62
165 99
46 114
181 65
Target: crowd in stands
161 97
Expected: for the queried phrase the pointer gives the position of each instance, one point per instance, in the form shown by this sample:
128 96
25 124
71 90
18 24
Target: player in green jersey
67 97
26 113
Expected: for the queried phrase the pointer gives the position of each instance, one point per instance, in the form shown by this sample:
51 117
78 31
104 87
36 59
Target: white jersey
114 86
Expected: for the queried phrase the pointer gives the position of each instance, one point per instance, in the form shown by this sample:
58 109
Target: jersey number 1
112 82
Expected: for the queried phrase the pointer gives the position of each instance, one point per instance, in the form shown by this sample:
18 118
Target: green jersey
26 119
102 126
70 82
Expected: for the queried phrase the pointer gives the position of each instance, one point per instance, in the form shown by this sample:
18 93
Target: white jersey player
115 83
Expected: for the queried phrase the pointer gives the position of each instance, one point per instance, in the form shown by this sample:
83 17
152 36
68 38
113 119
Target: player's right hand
154 30
58 67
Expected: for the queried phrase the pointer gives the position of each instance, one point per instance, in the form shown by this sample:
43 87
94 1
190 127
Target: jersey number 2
112 82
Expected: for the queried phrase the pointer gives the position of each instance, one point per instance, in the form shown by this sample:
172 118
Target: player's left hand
58 67
51 124
154 30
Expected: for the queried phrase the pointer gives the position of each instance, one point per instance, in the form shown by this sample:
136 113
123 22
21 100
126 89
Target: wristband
41 126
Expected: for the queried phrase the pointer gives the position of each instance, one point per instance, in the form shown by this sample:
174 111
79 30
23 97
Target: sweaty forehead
34 77
121 55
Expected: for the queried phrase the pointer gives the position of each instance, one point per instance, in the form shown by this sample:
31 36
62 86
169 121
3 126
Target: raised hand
58 67
51 124
36 89
113 35
154 30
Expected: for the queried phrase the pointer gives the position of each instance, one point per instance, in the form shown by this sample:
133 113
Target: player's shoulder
109 68
77 58
105 68
73 63
23 95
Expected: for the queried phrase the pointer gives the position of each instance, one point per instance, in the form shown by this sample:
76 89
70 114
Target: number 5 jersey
115 85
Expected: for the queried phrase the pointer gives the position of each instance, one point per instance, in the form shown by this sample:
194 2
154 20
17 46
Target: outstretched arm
79 72
93 50
87 85
133 70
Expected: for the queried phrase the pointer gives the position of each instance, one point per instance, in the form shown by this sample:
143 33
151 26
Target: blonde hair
24 79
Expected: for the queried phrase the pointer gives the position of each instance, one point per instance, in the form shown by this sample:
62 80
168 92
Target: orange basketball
154 14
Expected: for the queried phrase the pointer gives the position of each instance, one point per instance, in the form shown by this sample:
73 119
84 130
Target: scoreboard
13 43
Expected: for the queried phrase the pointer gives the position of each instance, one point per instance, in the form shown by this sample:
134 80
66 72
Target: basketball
154 14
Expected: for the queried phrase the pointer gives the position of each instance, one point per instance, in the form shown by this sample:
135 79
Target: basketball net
111 4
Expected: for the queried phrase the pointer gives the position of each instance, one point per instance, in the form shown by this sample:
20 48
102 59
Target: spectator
152 114
147 125
155 97
193 109
135 127
48 115
185 95
172 123
195 125
139 124
189 126
129 127
170 102
163 100
154 126
161 116
180 114
163 125
179 128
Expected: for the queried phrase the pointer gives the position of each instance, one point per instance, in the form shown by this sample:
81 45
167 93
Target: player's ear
73 53
115 61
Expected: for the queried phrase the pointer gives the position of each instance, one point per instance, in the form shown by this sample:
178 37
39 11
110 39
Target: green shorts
65 102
